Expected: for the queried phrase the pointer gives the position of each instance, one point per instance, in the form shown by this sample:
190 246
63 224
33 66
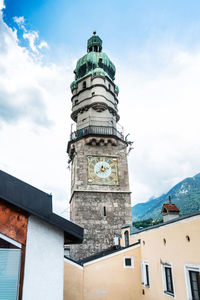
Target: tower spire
94 43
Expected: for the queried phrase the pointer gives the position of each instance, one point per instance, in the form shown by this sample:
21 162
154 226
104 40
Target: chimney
169 211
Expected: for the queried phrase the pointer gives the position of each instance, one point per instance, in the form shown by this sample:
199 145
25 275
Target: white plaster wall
169 217
44 263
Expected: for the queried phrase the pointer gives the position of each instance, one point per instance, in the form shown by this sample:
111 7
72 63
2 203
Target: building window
84 84
76 102
100 63
145 274
126 238
128 262
10 258
168 284
193 281
104 211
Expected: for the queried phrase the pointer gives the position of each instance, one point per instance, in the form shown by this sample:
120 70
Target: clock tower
100 197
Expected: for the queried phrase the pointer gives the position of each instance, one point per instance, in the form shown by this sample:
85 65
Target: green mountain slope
185 194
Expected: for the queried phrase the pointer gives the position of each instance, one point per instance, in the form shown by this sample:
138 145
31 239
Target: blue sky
123 25
155 46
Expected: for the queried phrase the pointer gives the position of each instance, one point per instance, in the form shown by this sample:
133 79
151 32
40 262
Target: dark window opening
195 284
169 281
76 102
6 245
84 84
109 86
143 293
101 63
93 93
188 238
104 211
147 274
81 71
126 238
128 262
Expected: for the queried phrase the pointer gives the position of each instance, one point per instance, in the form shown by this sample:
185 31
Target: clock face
102 170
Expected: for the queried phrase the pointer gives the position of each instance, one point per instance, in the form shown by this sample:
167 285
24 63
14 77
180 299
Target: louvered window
9 270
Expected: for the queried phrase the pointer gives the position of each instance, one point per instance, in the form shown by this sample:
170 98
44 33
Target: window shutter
9 273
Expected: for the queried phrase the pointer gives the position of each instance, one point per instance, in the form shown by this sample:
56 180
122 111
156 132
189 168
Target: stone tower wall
89 202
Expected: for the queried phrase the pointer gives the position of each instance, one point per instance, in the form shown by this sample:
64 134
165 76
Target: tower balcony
97 131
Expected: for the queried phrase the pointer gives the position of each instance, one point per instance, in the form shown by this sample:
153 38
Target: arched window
84 84
126 238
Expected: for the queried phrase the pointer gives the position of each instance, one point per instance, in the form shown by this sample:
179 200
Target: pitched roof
37 203
170 207
105 252
180 218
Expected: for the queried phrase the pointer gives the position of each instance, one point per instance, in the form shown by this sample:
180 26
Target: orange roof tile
171 207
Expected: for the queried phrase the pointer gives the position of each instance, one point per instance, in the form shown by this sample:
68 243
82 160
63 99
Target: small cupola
94 44
169 211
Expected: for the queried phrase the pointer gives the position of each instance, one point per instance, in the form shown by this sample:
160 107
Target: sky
155 46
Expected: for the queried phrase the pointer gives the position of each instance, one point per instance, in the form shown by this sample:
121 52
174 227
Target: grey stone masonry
100 209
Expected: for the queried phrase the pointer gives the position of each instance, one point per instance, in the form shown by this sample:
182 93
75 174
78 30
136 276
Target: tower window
76 102
100 63
84 84
109 86
104 211
126 238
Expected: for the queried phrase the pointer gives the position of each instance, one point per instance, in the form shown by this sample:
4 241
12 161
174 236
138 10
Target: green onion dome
88 63
94 62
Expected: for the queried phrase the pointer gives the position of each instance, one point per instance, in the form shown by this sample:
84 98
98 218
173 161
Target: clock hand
107 167
102 168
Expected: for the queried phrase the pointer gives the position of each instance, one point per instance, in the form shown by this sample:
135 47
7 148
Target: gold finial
94 32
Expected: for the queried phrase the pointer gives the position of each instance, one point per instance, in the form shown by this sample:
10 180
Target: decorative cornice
97 191
96 95
94 105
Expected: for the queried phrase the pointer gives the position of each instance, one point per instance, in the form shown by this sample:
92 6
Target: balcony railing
96 130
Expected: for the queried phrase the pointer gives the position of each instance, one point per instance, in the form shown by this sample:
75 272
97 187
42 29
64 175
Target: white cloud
2 6
33 116
43 44
19 20
163 118
32 38
31 35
